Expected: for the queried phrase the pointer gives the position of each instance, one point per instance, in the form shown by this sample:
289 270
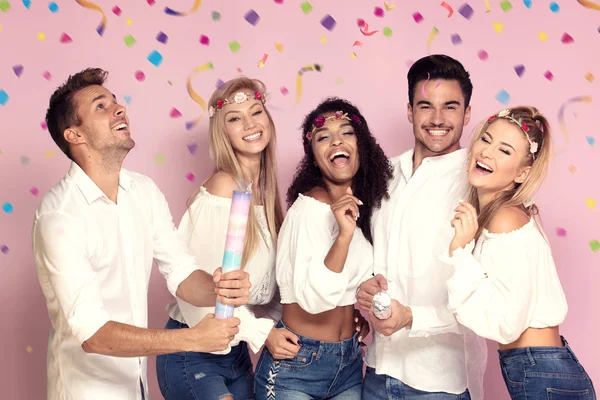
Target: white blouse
305 238
507 284
204 229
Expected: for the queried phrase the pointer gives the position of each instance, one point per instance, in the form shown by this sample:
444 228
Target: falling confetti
7 208
528 3
24 160
447 7
29 349
572 169
387 32
64 38
589 77
466 11
50 154
204 40
434 32
139 76
129 40
53 7
3 97
588 4
41 36
47 75
498 27
365 30
591 140
595 246
284 91
418 17
159 158
306 7
590 202
566 38
483 55
195 7
262 61
378 12
234 46
34 191
423 92
27 3
195 96
174 113
549 75
162 37
216 16
91 6
190 177
155 58
554 7
328 22
561 232
279 47
4 6
561 113
506 6
44 125
503 97
388 6
543 36
488 7
192 148
299 88
455 38
520 70
252 17
4 249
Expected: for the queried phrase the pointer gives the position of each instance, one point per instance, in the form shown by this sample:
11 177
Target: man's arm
203 290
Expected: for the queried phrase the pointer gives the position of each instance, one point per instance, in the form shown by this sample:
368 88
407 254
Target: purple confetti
561 232
4 249
162 37
466 11
189 125
328 22
18 69
520 70
252 17
417 17
455 39
192 147
219 84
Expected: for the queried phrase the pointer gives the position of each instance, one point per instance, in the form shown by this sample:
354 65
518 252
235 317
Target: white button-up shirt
94 259
410 232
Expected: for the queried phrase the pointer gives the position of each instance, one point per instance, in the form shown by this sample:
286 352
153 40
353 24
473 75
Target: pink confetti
64 38
483 55
447 7
378 11
150 2
360 22
47 75
34 191
139 76
239 70
116 10
279 1
561 232
284 91
190 177
423 86
204 40
549 75
566 38
44 125
175 113
357 43
418 17
437 84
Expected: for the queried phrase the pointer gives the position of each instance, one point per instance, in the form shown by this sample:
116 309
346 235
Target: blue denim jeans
545 373
196 376
384 387
321 370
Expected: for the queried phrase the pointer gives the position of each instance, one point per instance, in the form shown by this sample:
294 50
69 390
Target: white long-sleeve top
204 228
507 284
410 232
305 238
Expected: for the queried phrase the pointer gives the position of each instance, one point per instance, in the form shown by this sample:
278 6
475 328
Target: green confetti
159 158
4 6
129 40
216 16
234 46
306 7
506 6
387 32
595 245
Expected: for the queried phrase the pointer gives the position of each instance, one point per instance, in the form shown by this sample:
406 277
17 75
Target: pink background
375 79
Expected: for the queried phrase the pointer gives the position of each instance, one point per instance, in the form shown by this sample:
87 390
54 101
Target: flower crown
321 119
533 146
238 98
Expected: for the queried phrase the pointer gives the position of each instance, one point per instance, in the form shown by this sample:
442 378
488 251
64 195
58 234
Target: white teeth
120 126
437 132
252 137
339 153
482 165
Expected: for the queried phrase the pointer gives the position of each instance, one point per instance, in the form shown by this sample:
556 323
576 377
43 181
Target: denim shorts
384 387
196 376
321 370
545 373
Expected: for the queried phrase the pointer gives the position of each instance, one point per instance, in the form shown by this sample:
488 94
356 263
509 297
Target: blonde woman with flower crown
505 286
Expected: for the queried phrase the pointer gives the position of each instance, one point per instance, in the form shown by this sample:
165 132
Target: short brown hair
61 112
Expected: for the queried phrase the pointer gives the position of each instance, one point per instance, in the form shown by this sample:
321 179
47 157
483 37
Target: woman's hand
465 225
282 344
345 210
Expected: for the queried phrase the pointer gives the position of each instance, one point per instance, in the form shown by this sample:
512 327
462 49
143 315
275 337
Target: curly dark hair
370 184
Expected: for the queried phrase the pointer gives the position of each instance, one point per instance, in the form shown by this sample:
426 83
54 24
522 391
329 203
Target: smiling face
438 116
335 148
499 158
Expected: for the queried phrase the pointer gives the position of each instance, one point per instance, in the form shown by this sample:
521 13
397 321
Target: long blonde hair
223 155
520 194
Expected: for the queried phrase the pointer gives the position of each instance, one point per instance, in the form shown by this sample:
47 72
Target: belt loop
530 356
569 349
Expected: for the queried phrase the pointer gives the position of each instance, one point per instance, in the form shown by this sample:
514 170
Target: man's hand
232 287
401 317
212 334
368 289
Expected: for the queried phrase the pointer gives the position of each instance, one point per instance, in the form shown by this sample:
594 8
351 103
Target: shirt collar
89 189
445 161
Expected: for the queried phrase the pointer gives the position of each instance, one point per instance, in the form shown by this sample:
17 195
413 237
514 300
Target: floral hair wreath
321 119
533 146
238 98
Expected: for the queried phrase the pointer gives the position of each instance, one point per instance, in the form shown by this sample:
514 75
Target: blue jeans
545 373
321 370
384 387
196 376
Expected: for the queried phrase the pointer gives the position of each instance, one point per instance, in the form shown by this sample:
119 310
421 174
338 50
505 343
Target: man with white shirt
95 237
421 351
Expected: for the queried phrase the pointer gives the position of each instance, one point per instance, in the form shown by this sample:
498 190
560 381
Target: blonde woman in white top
324 254
242 145
505 286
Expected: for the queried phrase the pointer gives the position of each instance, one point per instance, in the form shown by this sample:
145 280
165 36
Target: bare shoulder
319 194
508 219
221 184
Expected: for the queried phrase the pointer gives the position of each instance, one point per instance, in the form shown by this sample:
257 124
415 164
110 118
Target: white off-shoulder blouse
305 238
204 228
506 284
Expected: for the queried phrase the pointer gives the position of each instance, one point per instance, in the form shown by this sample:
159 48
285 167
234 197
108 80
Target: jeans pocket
303 359
562 394
513 373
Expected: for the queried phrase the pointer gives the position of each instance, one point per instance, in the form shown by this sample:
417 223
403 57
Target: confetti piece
357 43
216 16
353 55
4 249
219 84
434 32
589 77
360 22
91 6
53 7
587 4
554 7
483 55
561 232
204 40
139 76
18 70
29 349
520 69
284 91
49 154
595 246
279 47
190 177
24 160
387 32
423 92
41 36
503 97
150 2
64 38
418 17
262 61
488 8
561 113
306 7
279 1
234 46
192 148
466 11
548 75
162 37
3 97
195 96
299 88
155 58
566 38
378 11
47 75
365 30
498 26
447 7
27 4
328 22
127 99
129 22
129 40
388 6
43 125
7 208
159 158
252 17
174 113
456 39
116 10
543 37
528 3
170 11
506 6
572 169
323 39
4 6
34 191
591 140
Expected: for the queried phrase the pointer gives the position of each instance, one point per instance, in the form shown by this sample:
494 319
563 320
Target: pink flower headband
321 119
238 98
533 146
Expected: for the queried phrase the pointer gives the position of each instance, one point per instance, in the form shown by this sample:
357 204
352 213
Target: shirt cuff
178 275
85 323
458 255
